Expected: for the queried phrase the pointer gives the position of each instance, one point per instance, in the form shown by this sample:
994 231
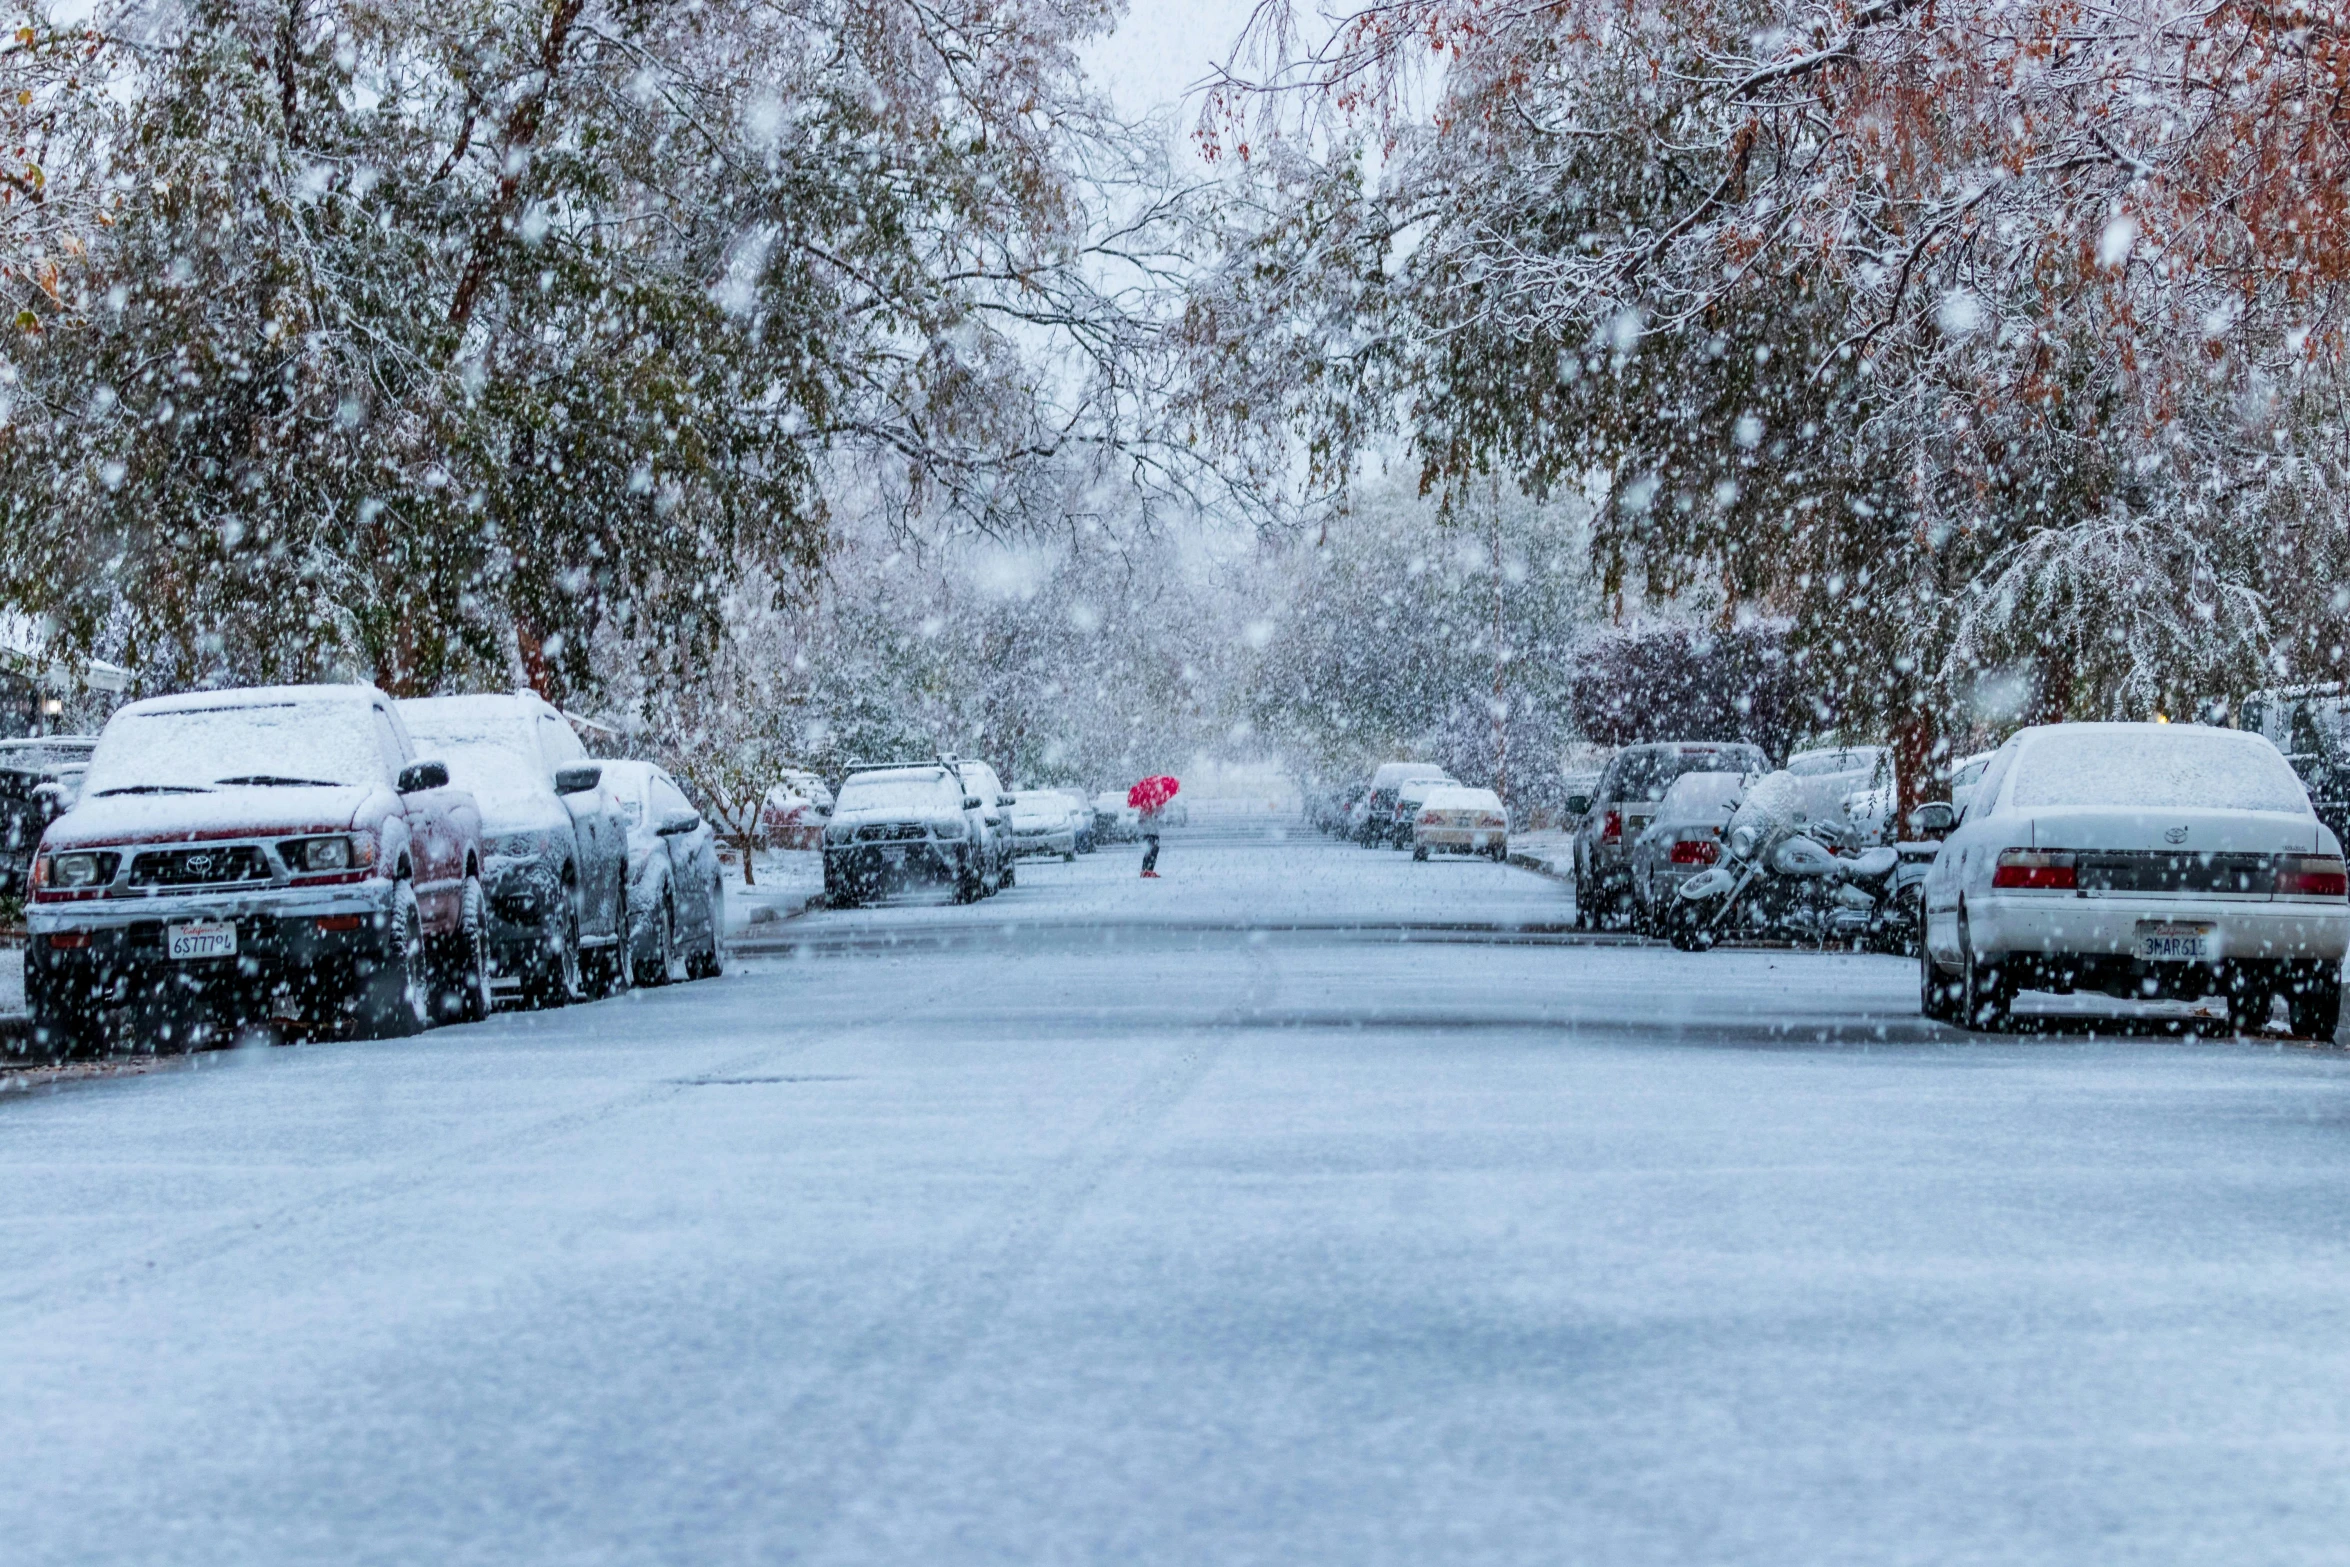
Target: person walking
1150 797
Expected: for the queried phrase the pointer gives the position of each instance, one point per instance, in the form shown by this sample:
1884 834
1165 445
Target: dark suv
1621 806
917 822
242 856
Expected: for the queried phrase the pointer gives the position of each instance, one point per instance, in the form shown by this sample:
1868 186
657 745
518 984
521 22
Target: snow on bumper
2061 924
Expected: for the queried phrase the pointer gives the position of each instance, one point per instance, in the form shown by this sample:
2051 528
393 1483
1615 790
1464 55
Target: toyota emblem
2175 835
199 863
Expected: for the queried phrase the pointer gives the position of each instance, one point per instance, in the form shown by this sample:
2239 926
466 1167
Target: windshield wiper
155 789
272 780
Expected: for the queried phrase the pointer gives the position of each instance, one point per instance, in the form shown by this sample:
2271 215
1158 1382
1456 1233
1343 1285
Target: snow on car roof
248 696
2153 767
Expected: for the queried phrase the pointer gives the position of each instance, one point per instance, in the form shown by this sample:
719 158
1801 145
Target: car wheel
1419 851
1933 989
2315 1001
1582 901
463 995
394 991
1986 987
1008 877
710 962
553 976
2251 996
970 883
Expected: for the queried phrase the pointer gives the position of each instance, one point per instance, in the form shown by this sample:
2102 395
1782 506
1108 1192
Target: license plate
2177 943
201 939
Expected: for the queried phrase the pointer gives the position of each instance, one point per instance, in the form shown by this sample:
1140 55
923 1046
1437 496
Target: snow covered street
1307 1205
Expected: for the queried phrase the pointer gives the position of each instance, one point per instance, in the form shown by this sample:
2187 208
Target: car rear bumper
1047 843
1466 839
2247 930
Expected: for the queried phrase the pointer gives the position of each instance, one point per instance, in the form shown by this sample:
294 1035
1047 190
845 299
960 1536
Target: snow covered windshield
2157 768
931 794
174 749
499 759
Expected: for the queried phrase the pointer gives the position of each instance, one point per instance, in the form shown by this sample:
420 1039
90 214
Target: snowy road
1094 1225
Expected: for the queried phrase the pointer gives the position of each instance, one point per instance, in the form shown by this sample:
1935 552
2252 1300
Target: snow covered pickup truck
239 856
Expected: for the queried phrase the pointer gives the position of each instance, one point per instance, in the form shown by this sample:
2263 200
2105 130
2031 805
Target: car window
667 798
559 744
1987 788
394 743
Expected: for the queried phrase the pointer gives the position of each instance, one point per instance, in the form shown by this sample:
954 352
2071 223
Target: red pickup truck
244 856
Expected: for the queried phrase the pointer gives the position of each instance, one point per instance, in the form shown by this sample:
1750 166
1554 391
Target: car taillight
1611 826
1696 851
1431 819
2039 870
2312 876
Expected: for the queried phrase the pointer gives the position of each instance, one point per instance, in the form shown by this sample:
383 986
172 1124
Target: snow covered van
242 855
2141 860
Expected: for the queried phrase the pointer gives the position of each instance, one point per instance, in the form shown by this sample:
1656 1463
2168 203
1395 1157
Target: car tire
1986 988
1933 988
607 970
970 882
710 962
463 992
2315 1002
1420 852
1007 879
552 980
2251 995
654 966
395 989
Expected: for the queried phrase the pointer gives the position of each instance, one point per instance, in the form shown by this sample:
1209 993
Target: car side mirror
417 777
577 779
1003 799
971 802
1934 819
1578 805
678 821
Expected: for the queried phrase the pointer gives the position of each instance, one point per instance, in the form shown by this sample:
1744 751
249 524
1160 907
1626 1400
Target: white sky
1164 47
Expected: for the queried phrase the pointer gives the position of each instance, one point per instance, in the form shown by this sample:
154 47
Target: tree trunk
745 842
1914 740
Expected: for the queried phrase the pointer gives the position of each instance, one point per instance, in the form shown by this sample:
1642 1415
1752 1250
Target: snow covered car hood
227 812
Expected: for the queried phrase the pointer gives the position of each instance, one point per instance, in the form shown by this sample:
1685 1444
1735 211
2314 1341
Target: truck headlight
314 855
952 827
79 872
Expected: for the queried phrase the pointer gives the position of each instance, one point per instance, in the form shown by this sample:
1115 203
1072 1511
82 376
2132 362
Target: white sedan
2143 861
1452 819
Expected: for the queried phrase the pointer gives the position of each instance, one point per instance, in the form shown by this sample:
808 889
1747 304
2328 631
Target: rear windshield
206 747
1696 796
898 794
2168 767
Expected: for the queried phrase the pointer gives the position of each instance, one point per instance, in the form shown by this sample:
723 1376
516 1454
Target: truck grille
199 867
2145 871
890 832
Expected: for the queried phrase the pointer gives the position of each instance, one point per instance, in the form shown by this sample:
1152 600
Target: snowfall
1305 1205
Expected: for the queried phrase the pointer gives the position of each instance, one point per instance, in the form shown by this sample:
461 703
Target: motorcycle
1783 875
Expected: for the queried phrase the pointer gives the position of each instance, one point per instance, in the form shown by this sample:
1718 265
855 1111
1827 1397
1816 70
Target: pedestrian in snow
1150 797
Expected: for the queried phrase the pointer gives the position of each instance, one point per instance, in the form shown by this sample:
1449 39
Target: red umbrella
1148 795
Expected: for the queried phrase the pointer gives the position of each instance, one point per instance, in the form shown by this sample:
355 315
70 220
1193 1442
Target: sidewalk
1550 852
789 881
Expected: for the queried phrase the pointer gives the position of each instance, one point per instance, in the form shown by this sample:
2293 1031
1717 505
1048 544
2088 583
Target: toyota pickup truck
273 854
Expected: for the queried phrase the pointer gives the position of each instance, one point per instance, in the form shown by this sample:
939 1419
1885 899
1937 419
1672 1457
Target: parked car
557 864
676 888
1849 792
1328 809
244 856
1043 823
1630 788
2168 860
793 814
2311 725
1452 819
1114 821
39 781
1080 819
1377 825
924 821
1406 815
1680 840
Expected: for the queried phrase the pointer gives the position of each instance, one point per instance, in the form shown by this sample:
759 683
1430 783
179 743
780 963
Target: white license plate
2177 943
201 939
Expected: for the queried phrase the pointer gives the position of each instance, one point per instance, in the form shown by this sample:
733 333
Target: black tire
660 965
970 882
2315 1001
1582 901
607 971
2251 994
1419 851
1069 858
1933 988
395 989
1986 987
710 962
1008 878
462 994
552 980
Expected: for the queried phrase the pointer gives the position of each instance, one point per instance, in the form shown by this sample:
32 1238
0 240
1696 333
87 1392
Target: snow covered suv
921 822
238 856
1624 804
557 840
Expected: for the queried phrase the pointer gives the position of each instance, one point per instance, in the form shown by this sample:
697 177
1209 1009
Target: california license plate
2177 942
201 939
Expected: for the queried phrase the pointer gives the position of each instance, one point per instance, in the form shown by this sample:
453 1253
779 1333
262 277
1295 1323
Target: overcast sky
1163 47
